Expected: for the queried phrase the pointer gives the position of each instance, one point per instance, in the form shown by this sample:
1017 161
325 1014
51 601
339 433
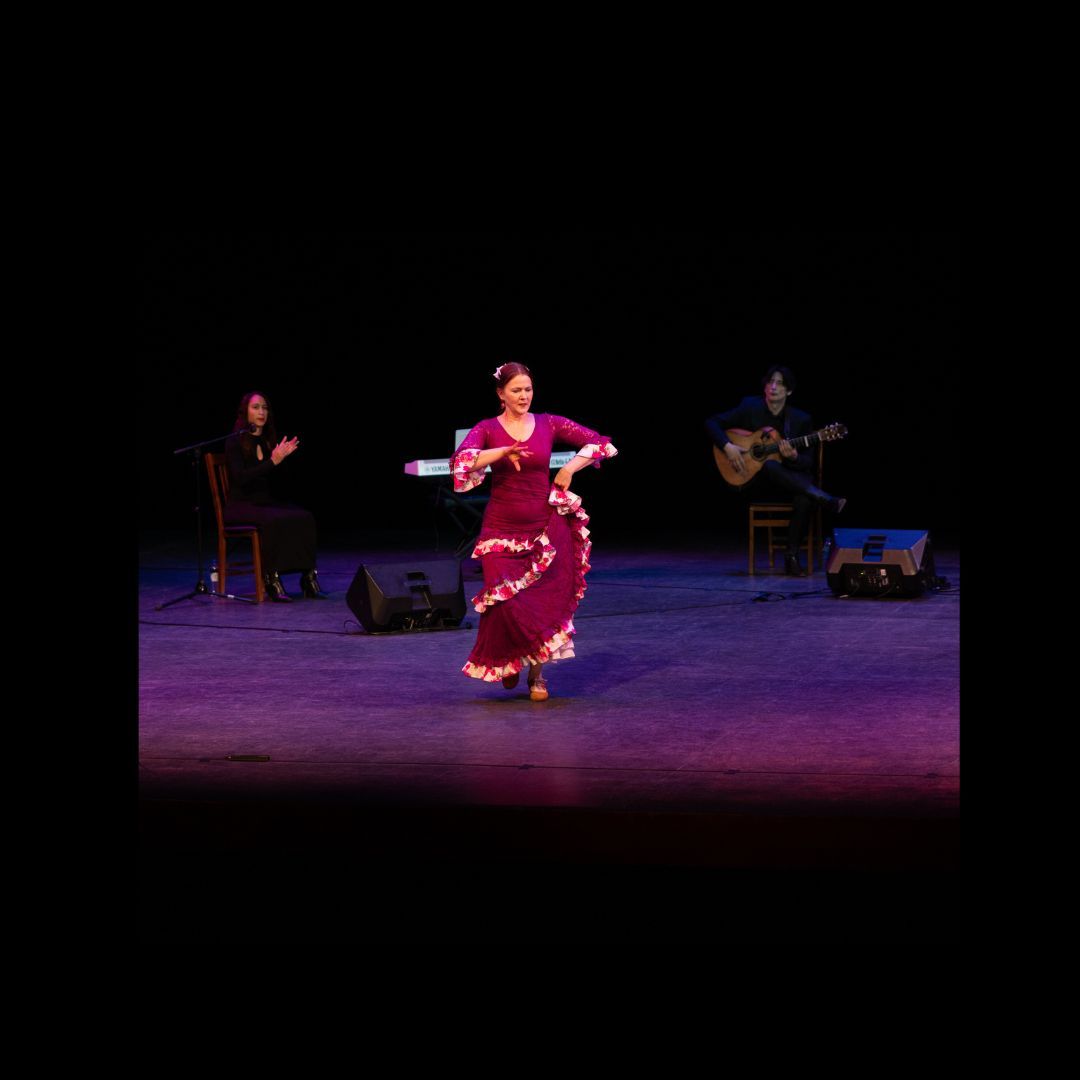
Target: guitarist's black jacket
752 413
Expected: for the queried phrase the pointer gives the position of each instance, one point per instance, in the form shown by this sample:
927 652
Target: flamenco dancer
533 543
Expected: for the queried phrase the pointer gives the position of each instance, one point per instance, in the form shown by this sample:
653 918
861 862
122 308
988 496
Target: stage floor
712 722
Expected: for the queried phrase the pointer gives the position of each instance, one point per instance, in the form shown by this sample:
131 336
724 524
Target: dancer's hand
516 452
562 478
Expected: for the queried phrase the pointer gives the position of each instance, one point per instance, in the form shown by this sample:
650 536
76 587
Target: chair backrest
217 469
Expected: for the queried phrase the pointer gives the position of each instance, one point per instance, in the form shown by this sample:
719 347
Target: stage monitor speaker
424 594
880 562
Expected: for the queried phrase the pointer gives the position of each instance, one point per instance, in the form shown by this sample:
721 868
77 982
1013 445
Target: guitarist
791 478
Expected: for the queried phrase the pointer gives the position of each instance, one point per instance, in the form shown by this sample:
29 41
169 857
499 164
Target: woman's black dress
286 532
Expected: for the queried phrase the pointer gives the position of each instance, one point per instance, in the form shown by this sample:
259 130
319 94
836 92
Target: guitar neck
806 441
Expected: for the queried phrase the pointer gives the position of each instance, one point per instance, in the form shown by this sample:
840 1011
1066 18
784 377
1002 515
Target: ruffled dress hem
559 646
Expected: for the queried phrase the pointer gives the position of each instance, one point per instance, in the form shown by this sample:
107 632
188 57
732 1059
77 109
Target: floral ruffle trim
543 557
485 547
569 504
560 646
598 452
565 502
466 474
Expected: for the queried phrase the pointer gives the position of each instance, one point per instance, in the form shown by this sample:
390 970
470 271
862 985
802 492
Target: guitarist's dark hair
786 372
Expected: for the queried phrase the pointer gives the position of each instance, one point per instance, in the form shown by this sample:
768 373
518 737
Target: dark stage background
374 347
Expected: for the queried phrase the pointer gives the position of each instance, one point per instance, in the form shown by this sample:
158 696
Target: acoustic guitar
763 445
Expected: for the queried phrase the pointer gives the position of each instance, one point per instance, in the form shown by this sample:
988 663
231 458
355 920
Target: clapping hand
284 449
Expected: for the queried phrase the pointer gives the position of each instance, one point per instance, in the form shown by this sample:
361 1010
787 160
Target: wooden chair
776 516
218 472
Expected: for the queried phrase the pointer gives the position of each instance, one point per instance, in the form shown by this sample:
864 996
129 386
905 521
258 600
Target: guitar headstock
832 432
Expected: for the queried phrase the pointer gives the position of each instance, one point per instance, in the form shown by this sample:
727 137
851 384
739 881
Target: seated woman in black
286 533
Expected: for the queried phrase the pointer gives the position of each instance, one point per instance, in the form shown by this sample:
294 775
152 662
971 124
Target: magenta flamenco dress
533 546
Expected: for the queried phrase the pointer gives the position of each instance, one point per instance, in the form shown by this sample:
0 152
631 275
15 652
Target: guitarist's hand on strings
788 450
734 455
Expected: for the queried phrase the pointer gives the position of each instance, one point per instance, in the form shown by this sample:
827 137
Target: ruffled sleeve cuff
466 474
597 452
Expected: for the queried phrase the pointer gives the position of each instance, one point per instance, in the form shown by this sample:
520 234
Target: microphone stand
201 588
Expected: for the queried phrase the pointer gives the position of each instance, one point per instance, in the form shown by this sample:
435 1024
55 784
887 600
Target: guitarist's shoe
792 567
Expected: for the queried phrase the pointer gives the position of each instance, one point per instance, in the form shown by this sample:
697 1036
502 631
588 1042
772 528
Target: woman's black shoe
275 588
309 583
